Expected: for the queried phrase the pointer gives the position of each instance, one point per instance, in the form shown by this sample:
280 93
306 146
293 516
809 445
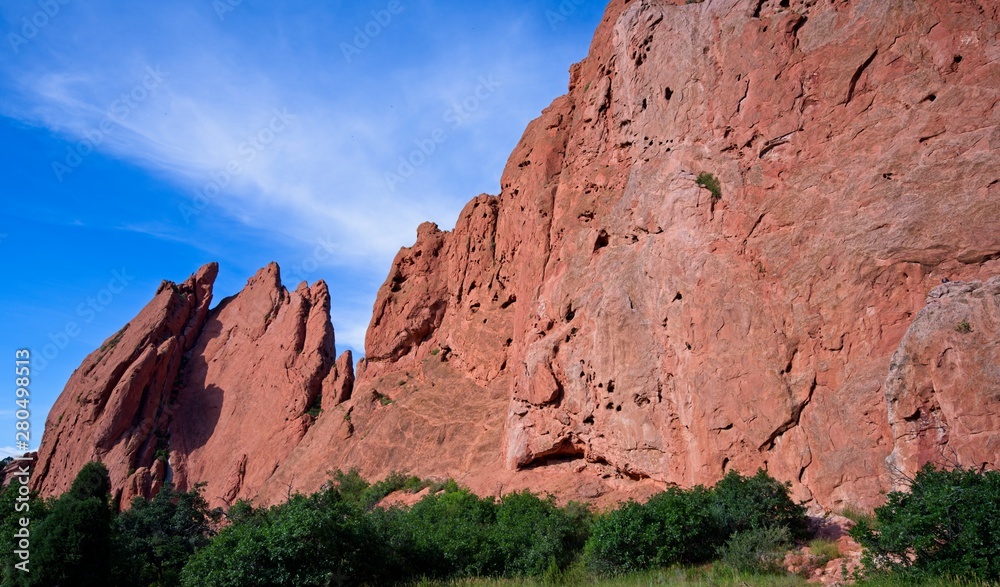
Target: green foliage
963 327
243 512
350 485
535 537
322 539
684 527
746 503
72 544
710 183
825 550
394 482
757 550
448 534
673 527
154 539
355 489
11 512
948 524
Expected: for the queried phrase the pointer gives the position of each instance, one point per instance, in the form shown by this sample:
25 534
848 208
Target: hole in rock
602 241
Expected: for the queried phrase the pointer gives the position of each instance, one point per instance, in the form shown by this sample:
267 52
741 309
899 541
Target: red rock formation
116 403
943 389
606 325
644 328
186 395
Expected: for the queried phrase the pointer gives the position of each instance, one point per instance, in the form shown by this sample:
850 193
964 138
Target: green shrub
71 545
154 539
947 524
449 534
322 539
748 503
673 527
710 183
533 534
757 550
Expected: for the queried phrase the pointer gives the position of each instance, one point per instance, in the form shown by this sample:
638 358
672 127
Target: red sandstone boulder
943 388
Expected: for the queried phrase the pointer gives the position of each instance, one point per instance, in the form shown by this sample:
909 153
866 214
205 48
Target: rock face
188 395
609 324
943 388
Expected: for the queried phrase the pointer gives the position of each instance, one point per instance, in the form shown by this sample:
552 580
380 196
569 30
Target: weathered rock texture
606 325
188 395
943 389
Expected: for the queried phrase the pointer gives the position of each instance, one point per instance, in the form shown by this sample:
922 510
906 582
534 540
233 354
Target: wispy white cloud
207 125
10 451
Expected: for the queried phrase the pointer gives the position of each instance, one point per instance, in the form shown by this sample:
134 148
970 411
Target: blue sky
141 140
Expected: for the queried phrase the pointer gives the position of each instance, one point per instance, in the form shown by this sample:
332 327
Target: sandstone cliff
188 395
606 324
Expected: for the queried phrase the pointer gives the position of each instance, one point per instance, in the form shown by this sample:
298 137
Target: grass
706 576
710 183
855 514
825 550
964 327
710 576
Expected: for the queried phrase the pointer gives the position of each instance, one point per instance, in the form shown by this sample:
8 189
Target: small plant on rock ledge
710 183
963 327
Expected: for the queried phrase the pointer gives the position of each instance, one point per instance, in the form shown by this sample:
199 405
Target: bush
72 544
758 550
710 183
673 527
533 534
449 534
753 503
154 539
317 540
948 524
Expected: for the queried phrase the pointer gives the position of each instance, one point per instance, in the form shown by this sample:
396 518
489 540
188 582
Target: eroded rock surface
606 325
646 329
188 395
943 388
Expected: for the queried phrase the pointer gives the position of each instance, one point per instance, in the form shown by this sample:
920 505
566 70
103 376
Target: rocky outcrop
646 329
703 257
117 402
943 388
188 395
